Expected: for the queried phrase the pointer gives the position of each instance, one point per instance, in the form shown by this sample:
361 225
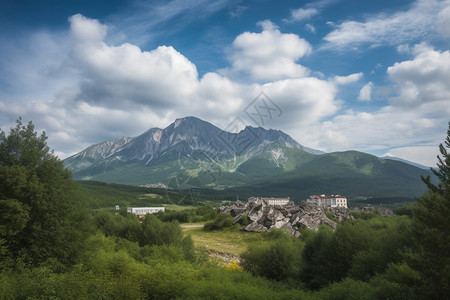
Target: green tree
126 226
443 170
41 220
320 264
156 232
430 255
277 260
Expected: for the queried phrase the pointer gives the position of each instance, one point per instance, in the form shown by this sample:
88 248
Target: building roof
327 197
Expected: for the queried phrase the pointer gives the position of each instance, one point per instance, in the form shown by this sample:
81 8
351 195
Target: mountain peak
184 137
187 120
192 150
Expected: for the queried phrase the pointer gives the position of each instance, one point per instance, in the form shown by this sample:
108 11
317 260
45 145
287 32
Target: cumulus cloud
123 75
392 29
424 79
303 100
417 116
73 128
365 94
86 31
107 91
379 131
269 55
94 91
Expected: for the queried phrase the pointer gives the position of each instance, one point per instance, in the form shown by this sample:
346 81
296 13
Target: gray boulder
255 227
289 217
380 210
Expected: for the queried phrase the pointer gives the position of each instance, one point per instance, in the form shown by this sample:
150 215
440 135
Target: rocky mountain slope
184 141
191 153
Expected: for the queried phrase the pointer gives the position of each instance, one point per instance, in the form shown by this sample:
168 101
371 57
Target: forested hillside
53 244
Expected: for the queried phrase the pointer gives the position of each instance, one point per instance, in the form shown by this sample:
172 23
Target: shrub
221 222
244 220
277 260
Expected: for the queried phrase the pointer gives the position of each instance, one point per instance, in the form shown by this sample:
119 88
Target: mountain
185 141
351 173
192 153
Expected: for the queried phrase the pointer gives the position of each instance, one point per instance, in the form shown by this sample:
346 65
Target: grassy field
176 207
224 243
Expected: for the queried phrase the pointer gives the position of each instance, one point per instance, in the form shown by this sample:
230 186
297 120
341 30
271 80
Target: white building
329 201
270 201
140 211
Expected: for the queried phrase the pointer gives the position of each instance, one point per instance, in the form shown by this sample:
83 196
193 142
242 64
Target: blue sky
372 76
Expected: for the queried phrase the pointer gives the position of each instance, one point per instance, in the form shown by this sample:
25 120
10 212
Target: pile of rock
374 209
290 217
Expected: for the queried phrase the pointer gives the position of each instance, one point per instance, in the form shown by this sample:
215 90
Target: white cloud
424 79
86 30
103 91
269 55
385 128
220 96
413 122
311 9
310 27
365 94
124 75
95 91
403 49
443 22
341 80
301 14
392 29
303 101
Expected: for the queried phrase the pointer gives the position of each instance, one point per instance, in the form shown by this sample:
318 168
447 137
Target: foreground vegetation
53 246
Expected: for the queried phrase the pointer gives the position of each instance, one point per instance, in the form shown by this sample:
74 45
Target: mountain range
192 153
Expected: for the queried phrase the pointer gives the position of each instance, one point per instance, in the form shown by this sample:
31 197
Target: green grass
232 243
175 207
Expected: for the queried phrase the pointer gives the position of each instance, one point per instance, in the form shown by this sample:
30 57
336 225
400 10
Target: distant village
321 200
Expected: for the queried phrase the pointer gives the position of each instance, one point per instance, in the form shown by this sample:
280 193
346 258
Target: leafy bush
222 221
278 260
199 214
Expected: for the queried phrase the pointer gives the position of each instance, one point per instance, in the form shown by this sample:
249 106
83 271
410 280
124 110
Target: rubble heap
290 217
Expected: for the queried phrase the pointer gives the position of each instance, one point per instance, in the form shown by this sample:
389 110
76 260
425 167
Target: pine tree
431 232
443 171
